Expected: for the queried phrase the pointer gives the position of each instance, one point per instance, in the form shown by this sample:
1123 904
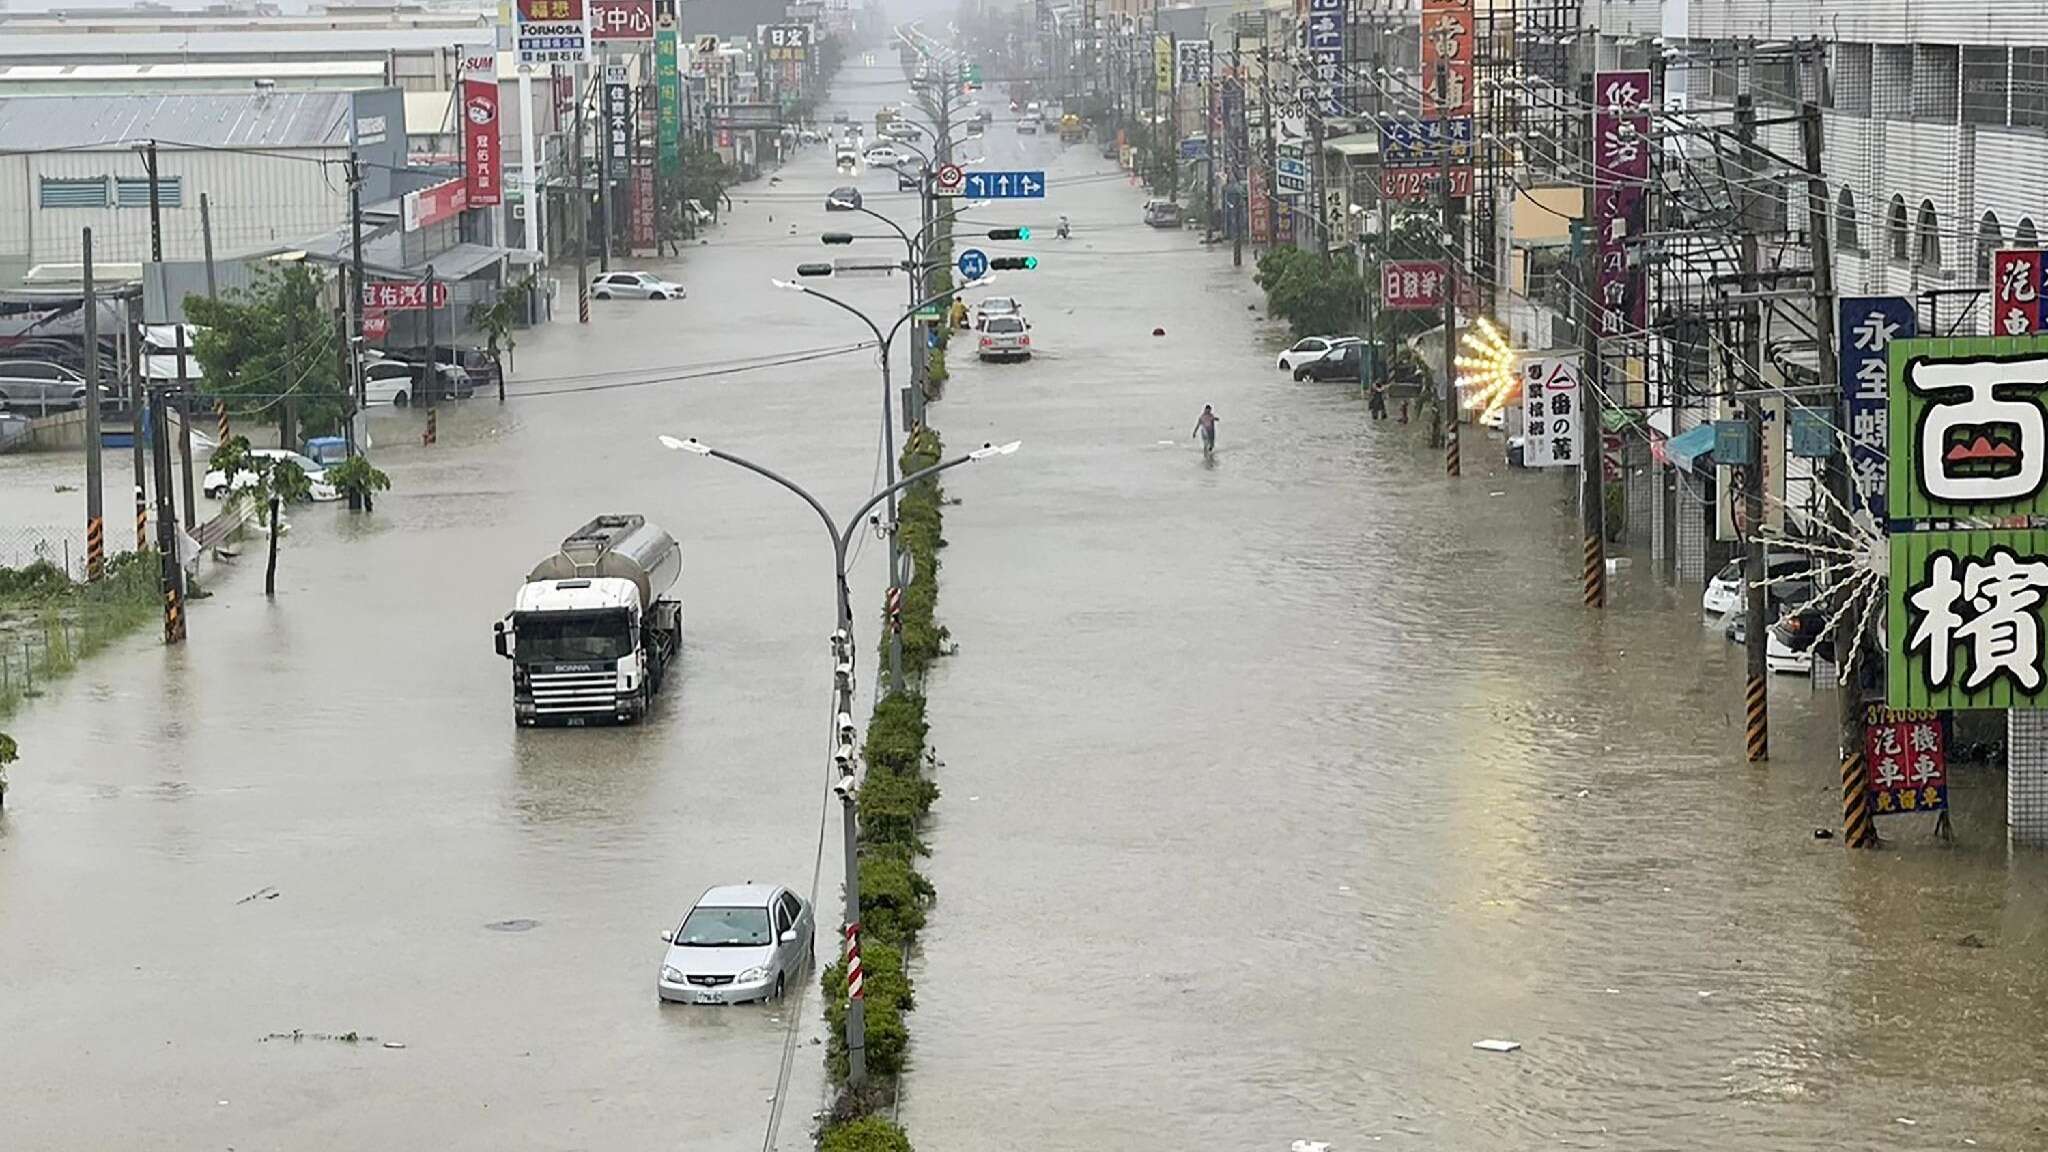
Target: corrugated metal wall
258 202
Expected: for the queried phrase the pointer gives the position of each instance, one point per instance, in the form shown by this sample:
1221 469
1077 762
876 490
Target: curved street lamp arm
881 340
831 528
893 226
853 524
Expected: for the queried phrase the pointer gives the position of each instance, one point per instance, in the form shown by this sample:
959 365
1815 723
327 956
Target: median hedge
894 800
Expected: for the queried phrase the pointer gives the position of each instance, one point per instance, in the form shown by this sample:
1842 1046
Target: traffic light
837 237
1012 263
814 269
1009 233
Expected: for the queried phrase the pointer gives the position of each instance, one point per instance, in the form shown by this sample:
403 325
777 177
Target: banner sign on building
1261 206
1965 619
1446 41
621 21
668 81
1906 756
1621 174
1413 285
430 206
1867 327
640 214
618 116
786 41
2017 278
1413 155
552 32
1162 64
403 295
1192 62
1325 33
1550 411
482 162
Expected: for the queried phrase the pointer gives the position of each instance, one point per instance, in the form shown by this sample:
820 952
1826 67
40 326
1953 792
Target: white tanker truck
590 634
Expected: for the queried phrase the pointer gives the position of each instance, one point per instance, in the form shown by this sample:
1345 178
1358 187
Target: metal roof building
270 165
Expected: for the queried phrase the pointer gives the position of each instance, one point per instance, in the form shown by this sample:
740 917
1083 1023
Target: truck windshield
573 636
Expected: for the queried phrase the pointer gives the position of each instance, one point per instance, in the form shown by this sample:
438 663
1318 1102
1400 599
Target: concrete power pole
95 512
582 207
1592 458
1756 597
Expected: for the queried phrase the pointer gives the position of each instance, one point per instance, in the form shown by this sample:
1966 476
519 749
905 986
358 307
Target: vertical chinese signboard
1968 430
1868 325
1261 205
1621 175
1325 34
1907 760
618 117
1446 44
668 80
551 32
482 163
2016 281
640 214
1412 285
1550 411
1162 64
1191 62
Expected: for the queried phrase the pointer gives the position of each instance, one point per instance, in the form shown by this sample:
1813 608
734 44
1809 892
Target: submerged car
635 286
845 198
1724 593
739 942
1310 348
217 485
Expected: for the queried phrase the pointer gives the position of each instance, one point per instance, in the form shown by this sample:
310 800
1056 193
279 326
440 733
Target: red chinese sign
2016 282
1413 285
482 163
430 206
1907 761
403 295
551 11
1423 183
1446 42
1261 207
621 20
1621 173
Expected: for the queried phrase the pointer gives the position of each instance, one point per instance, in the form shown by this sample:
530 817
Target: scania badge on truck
590 633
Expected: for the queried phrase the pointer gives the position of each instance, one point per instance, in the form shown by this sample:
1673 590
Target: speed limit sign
949 181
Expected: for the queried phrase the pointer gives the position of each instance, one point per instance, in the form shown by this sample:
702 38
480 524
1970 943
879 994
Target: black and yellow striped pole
95 548
220 417
433 430
1596 571
1756 712
1451 436
1859 827
141 512
174 616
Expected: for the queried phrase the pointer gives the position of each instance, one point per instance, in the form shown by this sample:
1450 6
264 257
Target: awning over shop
1354 147
1691 449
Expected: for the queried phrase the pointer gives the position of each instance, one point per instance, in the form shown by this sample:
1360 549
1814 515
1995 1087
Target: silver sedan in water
740 942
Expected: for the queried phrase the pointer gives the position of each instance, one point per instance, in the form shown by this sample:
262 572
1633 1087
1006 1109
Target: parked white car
635 286
216 485
1310 349
1724 592
883 156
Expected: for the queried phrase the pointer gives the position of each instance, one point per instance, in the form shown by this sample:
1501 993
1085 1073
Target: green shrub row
894 800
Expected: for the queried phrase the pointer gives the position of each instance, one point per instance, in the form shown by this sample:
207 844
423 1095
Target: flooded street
1272 782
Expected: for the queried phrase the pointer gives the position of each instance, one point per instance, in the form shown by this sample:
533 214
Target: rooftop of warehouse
192 120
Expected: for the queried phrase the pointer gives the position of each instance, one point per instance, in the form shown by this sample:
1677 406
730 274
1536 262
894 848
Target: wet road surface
1273 782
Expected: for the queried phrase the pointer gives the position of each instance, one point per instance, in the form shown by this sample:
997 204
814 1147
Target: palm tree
498 319
356 479
276 482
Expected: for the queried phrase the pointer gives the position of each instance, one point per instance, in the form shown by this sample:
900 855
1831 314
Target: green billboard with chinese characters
1968 430
1964 627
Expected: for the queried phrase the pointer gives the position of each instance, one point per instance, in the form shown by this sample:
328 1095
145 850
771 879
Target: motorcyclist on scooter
1063 229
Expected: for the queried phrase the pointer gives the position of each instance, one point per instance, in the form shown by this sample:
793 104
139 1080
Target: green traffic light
1023 233
1030 261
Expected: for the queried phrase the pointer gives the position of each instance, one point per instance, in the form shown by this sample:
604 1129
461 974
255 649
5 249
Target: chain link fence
62 548
50 618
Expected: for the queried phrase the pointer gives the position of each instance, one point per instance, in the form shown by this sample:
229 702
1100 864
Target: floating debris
1496 1045
520 924
264 893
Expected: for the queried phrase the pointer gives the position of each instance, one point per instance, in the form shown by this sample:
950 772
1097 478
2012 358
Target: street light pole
842 768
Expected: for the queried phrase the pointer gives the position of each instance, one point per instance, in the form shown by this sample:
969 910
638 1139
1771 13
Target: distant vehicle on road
1026 126
1344 362
1724 593
845 198
635 286
389 380
840 117
739 942
590 634
1109 149
1162 214
216 484
1071 129
882 156
994 306
1310 348
326 451
1005 338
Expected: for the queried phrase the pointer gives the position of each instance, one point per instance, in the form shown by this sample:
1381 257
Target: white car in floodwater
216 486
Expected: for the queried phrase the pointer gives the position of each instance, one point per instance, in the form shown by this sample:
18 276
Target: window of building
1927 254
2029 86
133 192
1776 81
1985 85
90 193
1891 81
1847 237
1851 84
1935 84
1895 228
1989 240
2023 236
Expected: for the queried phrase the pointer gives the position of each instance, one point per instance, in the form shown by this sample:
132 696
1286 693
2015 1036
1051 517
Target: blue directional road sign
1006 185
973 264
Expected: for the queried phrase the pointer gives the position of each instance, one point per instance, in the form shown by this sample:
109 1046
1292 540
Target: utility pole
1756 597
206 238
606 116
185 430
172 572
1272 151
1233 132
138 405
354 288
1443 423
1859 828
95 512
1592 457
582 208
156 211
